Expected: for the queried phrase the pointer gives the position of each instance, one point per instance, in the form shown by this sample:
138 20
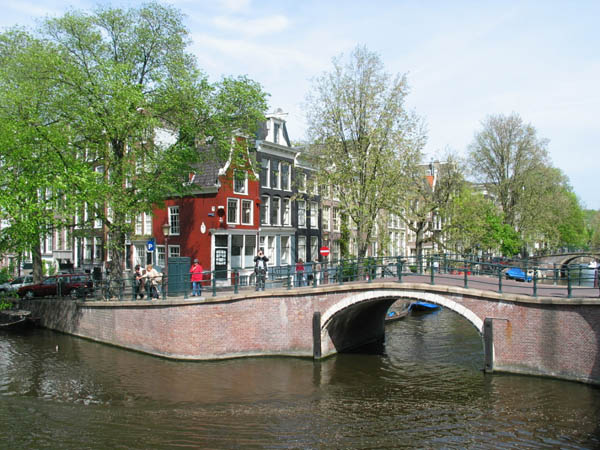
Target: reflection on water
426 390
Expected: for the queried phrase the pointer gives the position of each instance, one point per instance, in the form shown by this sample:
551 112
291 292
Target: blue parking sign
150 245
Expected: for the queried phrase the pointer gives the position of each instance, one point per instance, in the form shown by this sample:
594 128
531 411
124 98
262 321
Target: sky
464 61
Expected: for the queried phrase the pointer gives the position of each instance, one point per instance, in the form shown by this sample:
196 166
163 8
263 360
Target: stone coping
347 287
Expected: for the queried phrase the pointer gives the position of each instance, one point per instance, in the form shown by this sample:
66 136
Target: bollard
500 280
134 288
569 287
289 278
214 283
432 274
465 271
534 281
236 283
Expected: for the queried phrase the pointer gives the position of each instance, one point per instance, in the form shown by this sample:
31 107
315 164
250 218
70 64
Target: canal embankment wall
555 337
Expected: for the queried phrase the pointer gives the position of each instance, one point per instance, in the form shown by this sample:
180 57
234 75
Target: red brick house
217 222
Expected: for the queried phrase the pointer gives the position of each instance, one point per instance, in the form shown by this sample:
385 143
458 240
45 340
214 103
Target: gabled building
217 223
276 158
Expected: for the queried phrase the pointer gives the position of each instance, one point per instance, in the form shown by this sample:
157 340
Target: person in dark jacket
260 269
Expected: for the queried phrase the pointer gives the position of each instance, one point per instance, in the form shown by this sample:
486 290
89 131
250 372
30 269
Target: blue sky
464 60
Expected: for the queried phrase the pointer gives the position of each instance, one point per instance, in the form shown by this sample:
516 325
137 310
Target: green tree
134 106
507 156
362 137
37 167
429 190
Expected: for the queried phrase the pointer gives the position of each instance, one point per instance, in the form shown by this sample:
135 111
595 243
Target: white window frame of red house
236 219
244 190
174 215
249 204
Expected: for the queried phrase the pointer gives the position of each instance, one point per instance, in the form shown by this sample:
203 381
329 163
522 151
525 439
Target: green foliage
362 137
4 303
5 274
101 119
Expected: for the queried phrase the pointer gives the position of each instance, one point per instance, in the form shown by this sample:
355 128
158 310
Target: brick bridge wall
520 334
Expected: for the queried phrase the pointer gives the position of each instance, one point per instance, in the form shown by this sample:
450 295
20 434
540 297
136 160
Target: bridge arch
358 318
430 297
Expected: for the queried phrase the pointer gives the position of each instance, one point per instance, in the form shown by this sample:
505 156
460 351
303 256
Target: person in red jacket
196 278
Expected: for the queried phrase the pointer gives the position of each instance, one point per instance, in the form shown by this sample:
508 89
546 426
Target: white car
14 285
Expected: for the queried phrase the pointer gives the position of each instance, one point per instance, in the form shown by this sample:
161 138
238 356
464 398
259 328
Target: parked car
515 273
73 284
14 285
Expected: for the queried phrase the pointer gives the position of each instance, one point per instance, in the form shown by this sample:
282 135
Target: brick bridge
547 335
564 259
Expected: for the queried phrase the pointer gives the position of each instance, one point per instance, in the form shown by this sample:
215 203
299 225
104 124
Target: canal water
425 389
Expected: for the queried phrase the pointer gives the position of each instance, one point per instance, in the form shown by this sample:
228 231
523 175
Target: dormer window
276 133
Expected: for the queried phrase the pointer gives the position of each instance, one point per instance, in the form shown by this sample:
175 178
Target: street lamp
166 228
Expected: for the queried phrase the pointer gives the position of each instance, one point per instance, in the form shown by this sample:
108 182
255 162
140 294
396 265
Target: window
237 246
174 220
335 251
89 247
285 176
285 250
247 212
174 251
97 220
139 256
147 223
271 250
233 210
314 247
275 210
264 173
302 183
336 219
275 174
287 216
240 182
276 127
250 250
302 247
325 218
160 255
314 215
301 213
265 210
97 248
138 224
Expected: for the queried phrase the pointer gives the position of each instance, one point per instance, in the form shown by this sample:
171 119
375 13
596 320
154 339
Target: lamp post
166 228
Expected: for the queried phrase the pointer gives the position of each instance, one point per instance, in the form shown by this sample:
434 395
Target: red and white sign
324 251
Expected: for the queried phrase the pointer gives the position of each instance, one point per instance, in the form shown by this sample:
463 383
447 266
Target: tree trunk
36 259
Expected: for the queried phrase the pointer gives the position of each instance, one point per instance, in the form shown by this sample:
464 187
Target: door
221 257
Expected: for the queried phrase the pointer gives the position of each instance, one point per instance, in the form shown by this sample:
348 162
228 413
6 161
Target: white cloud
235 5
252 27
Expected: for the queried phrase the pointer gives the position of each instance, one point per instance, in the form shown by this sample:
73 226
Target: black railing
444 269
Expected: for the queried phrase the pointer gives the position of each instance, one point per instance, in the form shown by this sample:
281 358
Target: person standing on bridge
260 269
300 272
196 278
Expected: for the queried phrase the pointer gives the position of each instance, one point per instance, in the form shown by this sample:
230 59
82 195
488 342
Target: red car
73 284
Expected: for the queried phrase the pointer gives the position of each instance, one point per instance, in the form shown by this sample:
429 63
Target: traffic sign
150 245
324 251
